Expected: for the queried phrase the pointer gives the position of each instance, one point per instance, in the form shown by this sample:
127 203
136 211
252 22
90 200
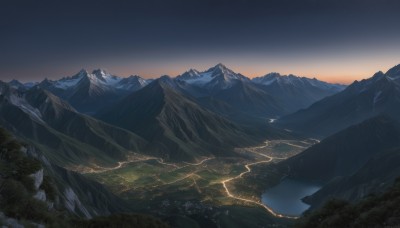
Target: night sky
333 40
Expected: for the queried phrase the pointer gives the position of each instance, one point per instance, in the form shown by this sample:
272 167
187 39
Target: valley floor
212 187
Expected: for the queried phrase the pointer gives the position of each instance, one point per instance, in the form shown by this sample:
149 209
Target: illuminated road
260 157
99 169
247 166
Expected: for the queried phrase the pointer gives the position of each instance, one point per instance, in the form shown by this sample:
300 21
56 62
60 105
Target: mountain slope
345 152
375 176
90 92
66 136
34 192
241 99
244 101
373 211
231 94
176 126
359 101
296 92
353 163
216 78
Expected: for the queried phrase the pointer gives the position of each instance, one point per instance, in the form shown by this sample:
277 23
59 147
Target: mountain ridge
168 117
53 125
361 100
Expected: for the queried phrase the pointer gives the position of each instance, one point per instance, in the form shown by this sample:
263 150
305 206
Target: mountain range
98 119
218 88
361 100
65 135
88 92
193 115
174 124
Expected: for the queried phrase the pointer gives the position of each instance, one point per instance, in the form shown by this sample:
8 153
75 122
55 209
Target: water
285 198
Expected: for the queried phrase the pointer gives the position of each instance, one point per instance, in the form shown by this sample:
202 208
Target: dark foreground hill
358 161
65 135
345 152
373 211
34 192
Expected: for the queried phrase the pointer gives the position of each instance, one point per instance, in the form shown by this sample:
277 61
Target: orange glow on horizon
333 70
339 78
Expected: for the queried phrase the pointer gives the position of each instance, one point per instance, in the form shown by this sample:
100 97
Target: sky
332 40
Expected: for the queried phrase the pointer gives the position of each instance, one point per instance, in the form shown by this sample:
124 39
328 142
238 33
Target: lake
285 198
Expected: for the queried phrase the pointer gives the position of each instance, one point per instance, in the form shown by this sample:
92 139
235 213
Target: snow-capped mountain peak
218 76
189 75
66 82
224 73
103 77
220 69
267 79
15 84
132 83
394 72
81 73
293 80
193 72
19 85
100 73
273 77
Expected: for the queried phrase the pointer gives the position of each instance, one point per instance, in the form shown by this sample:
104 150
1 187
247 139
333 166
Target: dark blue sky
333 40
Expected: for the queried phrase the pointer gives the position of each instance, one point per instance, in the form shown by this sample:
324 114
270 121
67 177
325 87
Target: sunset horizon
366 71
199 113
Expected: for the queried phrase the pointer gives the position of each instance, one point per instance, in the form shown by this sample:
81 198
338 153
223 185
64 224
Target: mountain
90 92
132 83
35 191
358 102
216 78
218 88
346 151
244 102
353 163
67 137
16 84
377 175
174 124
378 210
295 92
258 100
230 94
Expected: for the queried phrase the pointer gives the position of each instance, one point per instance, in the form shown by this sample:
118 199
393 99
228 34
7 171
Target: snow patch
377 97
267 81
72 202
66 83
37 178
111 80
40 195
26 107
132 83
203 79
30 84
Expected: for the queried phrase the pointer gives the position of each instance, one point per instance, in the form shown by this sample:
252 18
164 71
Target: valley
210 182
220 154
200 114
